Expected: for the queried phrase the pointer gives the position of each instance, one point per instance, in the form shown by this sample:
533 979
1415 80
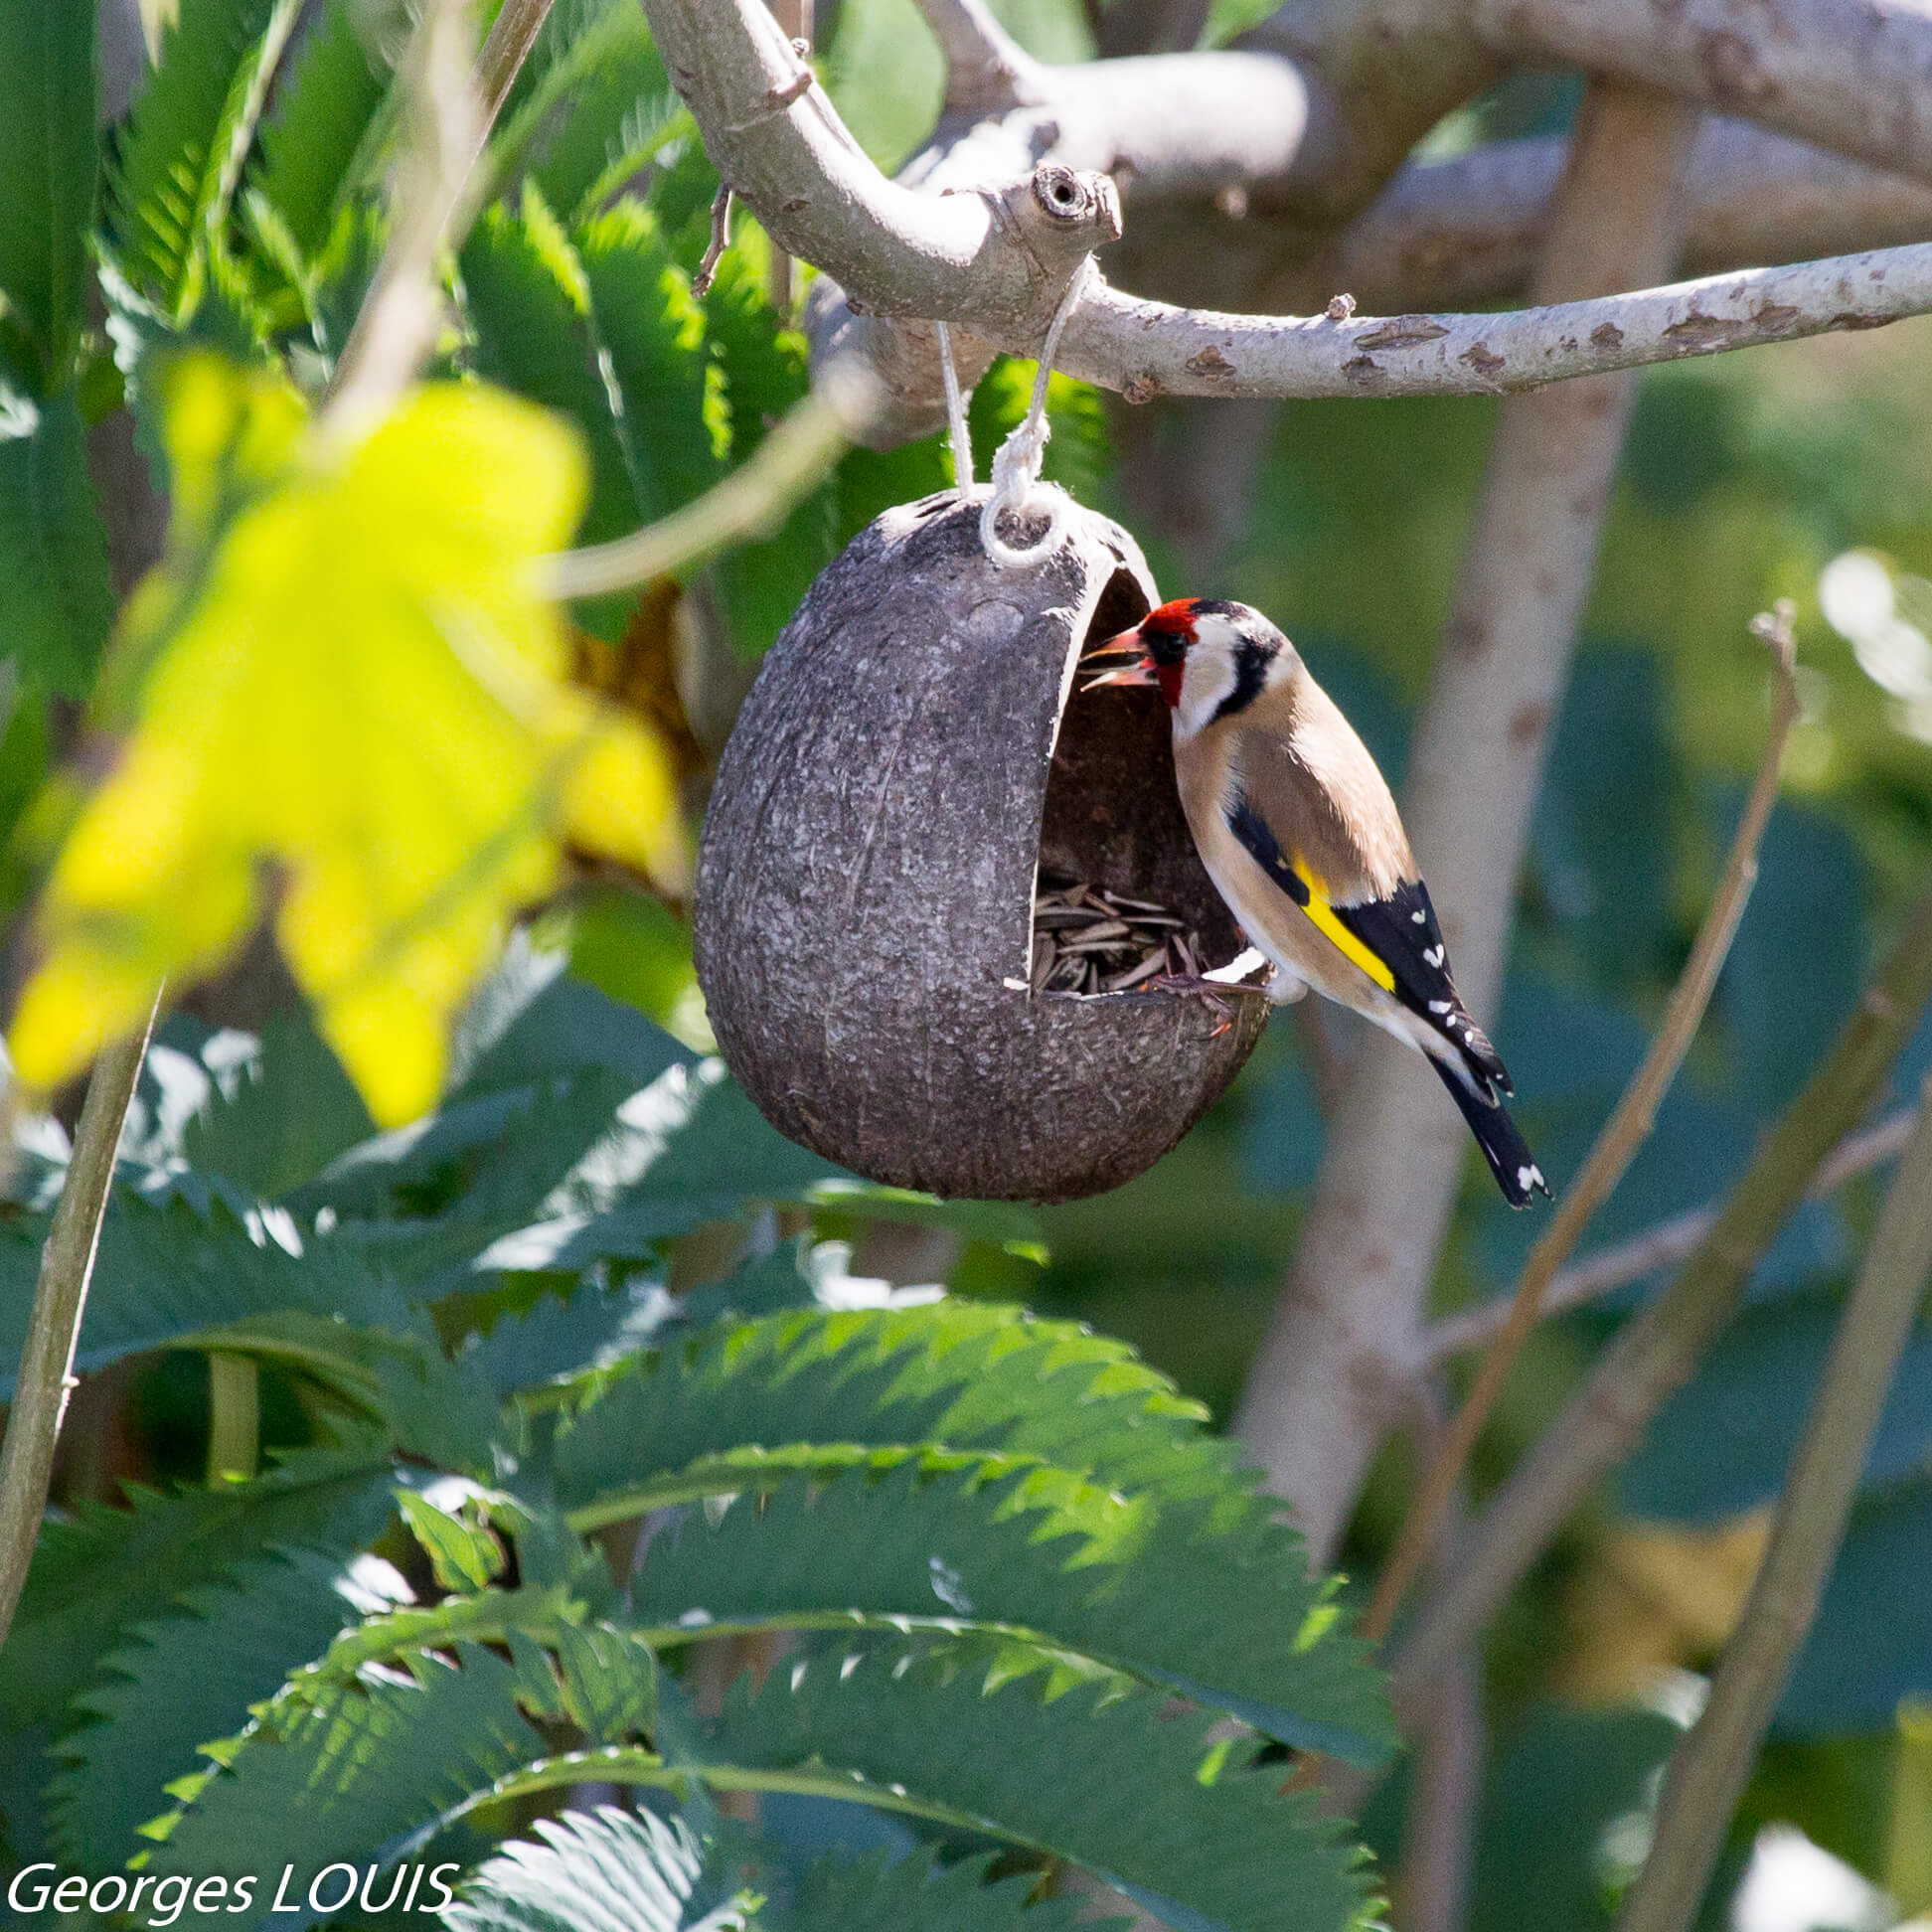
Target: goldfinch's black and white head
1210 659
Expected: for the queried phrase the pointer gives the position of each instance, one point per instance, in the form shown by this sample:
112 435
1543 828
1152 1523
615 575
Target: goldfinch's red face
1158 648
1207 658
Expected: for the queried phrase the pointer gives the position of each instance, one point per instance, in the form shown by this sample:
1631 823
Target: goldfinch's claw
1190 986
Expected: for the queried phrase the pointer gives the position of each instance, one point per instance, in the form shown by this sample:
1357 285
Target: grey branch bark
1336 1364
1709 1769
1851 74
968 236
1456 233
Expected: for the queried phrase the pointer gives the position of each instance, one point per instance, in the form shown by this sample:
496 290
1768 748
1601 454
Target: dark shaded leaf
49 161
56 604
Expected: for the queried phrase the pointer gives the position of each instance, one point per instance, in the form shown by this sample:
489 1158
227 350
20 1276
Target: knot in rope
1017 488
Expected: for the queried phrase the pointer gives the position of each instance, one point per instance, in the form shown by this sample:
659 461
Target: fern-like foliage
917 1894
110 1570
176 162
958 1376
1183 1823
1230 1621
1023 1592
158 1701
315 146
610 1869
48 169
55 602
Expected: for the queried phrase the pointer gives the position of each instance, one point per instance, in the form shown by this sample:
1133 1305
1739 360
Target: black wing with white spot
1401 930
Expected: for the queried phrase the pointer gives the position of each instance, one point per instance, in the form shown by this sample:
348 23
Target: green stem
1709 1769
60 1299
234 1418
627 1765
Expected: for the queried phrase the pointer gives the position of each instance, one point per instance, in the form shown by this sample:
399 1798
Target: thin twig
1656 1247
1451 1751
46 1377
750 502
1626 1130
1658 1350
513 33
432 195
1709 1769
720 240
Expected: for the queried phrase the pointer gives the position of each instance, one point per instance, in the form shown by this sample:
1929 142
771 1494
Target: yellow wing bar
1336 933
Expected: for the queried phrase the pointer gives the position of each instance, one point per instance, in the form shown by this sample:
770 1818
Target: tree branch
1458 233
1333 1369
1674 1239
46 1377
1851 74
1147 348
1659 1348
1709 1769
988 72
994 265
1616 1146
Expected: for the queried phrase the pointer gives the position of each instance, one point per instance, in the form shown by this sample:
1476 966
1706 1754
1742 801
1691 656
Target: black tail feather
1504 1146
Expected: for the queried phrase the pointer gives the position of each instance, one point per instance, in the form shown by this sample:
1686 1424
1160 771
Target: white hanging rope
1015 463
961 434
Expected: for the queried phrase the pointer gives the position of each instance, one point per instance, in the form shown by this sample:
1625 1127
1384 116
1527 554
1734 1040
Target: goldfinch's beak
1127 644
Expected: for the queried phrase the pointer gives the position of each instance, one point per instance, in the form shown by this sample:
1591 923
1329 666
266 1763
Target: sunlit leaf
343 671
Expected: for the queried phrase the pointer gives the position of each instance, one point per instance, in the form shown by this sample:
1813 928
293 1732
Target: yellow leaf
344 683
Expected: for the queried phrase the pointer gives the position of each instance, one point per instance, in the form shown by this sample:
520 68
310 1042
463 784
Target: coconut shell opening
1113 824
913 756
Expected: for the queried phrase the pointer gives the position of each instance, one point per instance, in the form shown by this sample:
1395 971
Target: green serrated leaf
176 161
169 1274
285 1114
653 329
687 1149
1231 1622
590 100
1185 1825
49 162
1223 1854
353 1774
609 1867
56 604
764 374
962 1376
529 306
313 142
919 1894
610 1678
462 1550
183 1682
110 1569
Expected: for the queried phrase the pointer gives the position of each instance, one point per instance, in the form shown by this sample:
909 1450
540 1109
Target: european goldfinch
1299 833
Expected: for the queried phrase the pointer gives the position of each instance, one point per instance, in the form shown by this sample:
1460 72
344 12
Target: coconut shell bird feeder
910 765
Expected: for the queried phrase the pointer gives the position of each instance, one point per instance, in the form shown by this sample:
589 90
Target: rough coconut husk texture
865 881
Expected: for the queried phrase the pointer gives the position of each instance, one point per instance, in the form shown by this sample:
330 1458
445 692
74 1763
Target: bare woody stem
1334 1373
1658 1350
1626 1130
1708 1770
455 108
59 1300
1657 1247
